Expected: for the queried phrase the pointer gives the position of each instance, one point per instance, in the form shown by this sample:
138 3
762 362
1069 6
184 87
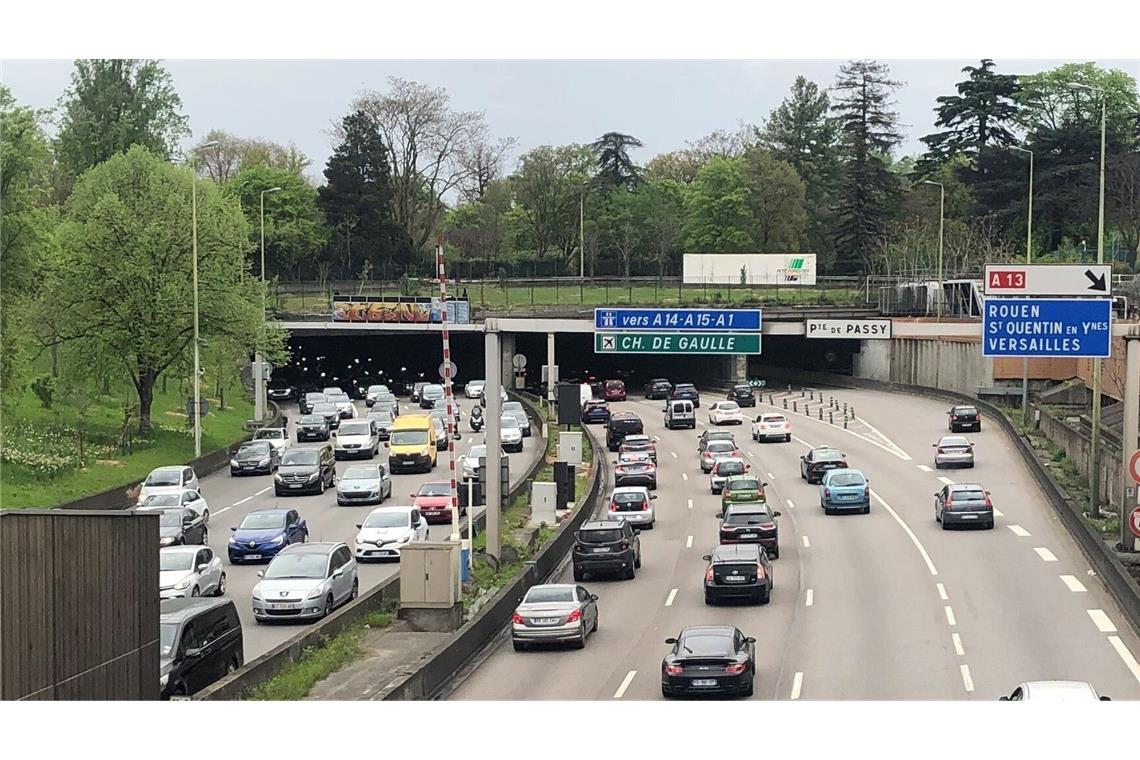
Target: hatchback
963 504
313 427
510 434
635 468
387 530
742 488
516 410
261 534
724 468
363 484
738 571
188 498
433 500
658 388
429 394
818 461
189 571
953 451
329 411
768 426
751 522
309 400
686 391
842 490
606 546
634 504
742 395
961 418
180 525
613 390
709 659
725 413
595 411
554 612
717 450
173 479
305 581
638 444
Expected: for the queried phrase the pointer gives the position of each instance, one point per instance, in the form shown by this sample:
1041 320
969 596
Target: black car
743 395
619 426
606 546
279 390
306 402
658 387
330 411
416 388
751 522
964 418
181 525
382 421
738 571
686 390
313 427
818 461
305 471
964 504
708 659
255 458
200 640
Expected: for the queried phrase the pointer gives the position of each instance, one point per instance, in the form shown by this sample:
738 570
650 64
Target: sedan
189 571
962 418
433 500
363 484
510 434
554 612
963 504
255 458
474 388
709 659
261 534
845 489
717 450
188 498
635 469
725 413
1055 691
634 504
768 426
953 451
181 525
278 437
313 427
595 411
722 469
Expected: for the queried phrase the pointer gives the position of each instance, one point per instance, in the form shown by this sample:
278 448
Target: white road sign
848 328
1048 280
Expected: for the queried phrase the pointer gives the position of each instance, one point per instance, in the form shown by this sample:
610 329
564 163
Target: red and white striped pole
447 392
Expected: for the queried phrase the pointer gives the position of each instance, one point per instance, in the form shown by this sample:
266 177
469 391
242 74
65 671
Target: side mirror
1105 699
653 496
233 529
987 492
412 495
720 515
203 567
750 640
386 445
593 597
1004 698
670 640
934 445
764 484
260 573
776 514
707 557
192 653
358 526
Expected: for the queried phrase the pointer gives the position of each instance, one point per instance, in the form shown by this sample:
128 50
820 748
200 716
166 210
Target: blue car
845 489
265 532
595 411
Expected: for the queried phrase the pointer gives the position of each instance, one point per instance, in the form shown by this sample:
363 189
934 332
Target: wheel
321 485
328 606
194 591
788 438
232 665
580 642
595 628
205 536
579 576
355 590
637 561
937 465
750 690
764 597
305 538
518 645
221 590
867 509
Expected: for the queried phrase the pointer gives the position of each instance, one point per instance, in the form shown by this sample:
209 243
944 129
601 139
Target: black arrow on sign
1097 282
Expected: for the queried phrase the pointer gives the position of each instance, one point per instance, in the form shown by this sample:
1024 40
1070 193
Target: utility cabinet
429 574
570 447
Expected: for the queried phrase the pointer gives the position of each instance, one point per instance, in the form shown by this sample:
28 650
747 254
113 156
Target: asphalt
231 498
880 606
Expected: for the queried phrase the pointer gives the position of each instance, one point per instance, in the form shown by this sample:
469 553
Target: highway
880 606
231 498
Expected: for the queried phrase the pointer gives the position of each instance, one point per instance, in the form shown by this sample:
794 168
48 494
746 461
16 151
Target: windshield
743 484
538 595
704 645
435 489
261 447
684 387
747 518
387 519
773 418
846 479
625 424
314 398
338 398
477 451
826 454
629 499
312 419
377 389
508 421
176 560
730 468
300 457
965 410
297 566
968 494
953 441
168 635
262 521
162 500
432 391
164 478
269 435
743 389
355 428
719 435
383 417
170 518
361 472
615 385
325 407
409 437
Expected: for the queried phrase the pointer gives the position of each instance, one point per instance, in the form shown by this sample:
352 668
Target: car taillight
674 670
729 528
574 616
826 491
949 501
709 574
969 449
613 506
867 491
645 506
768 525
735 668
517 618
941 450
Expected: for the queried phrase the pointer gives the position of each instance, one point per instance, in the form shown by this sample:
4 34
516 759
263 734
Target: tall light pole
1094 453
258 368
1028 260
941 224
582 234
194 265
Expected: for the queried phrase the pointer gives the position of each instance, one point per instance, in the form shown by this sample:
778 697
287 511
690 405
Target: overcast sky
664 103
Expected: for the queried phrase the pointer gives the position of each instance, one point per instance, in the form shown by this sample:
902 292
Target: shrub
44 388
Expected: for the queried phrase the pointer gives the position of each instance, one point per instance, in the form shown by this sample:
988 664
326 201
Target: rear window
684 387
968 494
721 447
773 418
634 424
355 428
741 484
730 468
747 518
615 385
539 594
600 536
706 645
965 410
954 441
846 479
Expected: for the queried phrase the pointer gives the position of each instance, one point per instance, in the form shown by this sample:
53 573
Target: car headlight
404 538
183 584
163 679
359 540
278 541
264 462
314 593
315 475
166 540
233 463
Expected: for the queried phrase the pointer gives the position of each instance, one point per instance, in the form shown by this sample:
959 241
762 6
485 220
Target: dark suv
620 425
818 461
658 387
743 395
751 522
279 390
964 418
686 390
313 427
305 471
306 402
201 641
738 571
606 546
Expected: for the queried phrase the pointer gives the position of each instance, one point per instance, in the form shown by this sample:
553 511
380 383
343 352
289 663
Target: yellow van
412 444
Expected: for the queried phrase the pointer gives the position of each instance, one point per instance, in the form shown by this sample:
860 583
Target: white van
679 414
585 393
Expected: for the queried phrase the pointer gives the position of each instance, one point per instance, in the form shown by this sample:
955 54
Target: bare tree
232 154
722 143
483 161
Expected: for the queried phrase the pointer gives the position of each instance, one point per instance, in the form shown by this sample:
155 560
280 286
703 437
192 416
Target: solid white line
690 503
1129 660
674 453
689 542
223 509
966 680
950 615
810 598
797 684
945 480
1102 621
807 544
670 598
924 468
243 501
684 476
771 476
958 650
1044 554
1073 584
918 544
1018 530
625 684
998 512
941 592
263 490
791 505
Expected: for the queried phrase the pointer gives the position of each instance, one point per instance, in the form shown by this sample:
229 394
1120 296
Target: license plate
599 549
734 579
545 621
247 466
969 517
295 485
252 556
279 606
704 682
747 535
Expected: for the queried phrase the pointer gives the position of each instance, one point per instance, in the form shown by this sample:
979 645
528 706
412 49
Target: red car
433 500
614 390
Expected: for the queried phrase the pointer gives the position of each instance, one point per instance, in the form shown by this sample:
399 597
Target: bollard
844 408
802 393
852 412
821 414
844 423
831 418
789 388
785 403
795 408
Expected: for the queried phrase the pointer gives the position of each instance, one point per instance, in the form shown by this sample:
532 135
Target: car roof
630 489
314 547
179 610
168 468
729 552
186 549
707 630
382 510
601 525
274 511
1059 689
618 416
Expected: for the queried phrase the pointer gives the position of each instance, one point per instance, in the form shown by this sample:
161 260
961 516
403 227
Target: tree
233 154
619 217
113 104
663 209
776 200
294 227
119 291
1122 202
718 218
548 187
1049 103
868 191
677 166
614 166
482 160
479 228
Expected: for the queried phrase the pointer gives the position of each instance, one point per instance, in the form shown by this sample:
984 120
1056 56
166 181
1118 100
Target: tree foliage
718 218
615 168
982 115
234 154
548 187
294 227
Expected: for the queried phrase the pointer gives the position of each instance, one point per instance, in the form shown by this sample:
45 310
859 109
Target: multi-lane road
231 498
878 606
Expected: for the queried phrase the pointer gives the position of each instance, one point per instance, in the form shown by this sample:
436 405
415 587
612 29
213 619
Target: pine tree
615 167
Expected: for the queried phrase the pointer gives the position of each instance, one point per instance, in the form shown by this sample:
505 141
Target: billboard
400 311
749 269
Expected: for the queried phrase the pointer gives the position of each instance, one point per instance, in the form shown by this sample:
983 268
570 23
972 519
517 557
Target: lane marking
223 509
263 490
950 615
1073 584
1102 621
625 684
690 503
243 501
670 598
1044 554
958 650
810 598
791 504
657 438
807 544
1122 650
942 592
924 468
998 512
1018 530
945 480
771 476
749 453
966 680
684 476
914 539
798 682
689 542
674 453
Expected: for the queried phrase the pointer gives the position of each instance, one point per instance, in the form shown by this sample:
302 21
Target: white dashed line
810 598
690 503
950 615
1018 530
1129 660
657 438
684 476
1073 584
243 501
998 512
771 476
945 480
674 453
263 490
914 539
669 599
958 650
223 509
1044 554
966 680
791 504
689 542
924 468
750 454
807 544
625 684
941 592
1102 622
797 685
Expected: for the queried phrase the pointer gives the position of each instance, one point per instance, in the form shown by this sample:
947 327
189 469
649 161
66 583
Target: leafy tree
294 228
869 191
113 104
479 228
718 217
119 292
1049 103
1122 202
619 217
776 198
614 166
676 166
548 187
663 209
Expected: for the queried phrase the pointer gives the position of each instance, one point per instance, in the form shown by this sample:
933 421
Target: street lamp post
1028 260
941 224
258 367
582 235
194 266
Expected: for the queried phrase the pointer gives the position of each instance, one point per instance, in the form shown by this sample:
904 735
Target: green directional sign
676 343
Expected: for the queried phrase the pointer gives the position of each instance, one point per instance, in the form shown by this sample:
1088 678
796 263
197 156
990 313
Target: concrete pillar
550 365
740 368
1130 438
494 365
507 352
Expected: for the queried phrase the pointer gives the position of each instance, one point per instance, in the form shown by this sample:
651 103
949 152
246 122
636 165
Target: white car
356 439
387 530
1055 691
516 410
173 479
344 406
725 413
187 498
474 388
190 571
634 504
510 434
305 581
374 392
278 437
771 426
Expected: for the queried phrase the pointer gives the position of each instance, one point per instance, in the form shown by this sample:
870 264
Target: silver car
356 439
374 392
173 479
344 406
278 437
516 410
634 504
363 484
510 434
190 571
474 388
554 612
953 451
305 581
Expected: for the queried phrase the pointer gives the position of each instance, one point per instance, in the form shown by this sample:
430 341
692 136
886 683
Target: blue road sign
1080 327
678 320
